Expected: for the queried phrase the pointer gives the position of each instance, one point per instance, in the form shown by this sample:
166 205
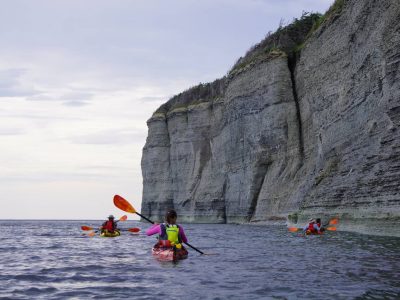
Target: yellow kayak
107 233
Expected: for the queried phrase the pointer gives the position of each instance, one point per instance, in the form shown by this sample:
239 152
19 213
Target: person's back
313 227
318 226
110 225
169 233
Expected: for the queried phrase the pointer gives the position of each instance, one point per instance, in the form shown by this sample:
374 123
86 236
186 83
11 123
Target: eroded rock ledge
306 124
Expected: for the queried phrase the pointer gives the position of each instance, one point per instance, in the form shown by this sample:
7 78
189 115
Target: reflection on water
53 260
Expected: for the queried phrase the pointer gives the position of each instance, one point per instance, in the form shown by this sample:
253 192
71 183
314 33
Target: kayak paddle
333 221
134 229
86 228
123 218
293 229
124 205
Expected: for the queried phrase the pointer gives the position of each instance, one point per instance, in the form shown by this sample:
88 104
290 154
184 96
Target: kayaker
314 227
169 233
110 225
319 226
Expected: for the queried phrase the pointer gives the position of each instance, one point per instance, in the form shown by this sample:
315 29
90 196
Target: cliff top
285 41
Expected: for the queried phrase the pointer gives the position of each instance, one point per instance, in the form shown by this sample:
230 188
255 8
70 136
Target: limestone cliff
306 124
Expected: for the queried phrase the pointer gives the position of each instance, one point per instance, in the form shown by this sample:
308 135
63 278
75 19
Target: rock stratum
306 124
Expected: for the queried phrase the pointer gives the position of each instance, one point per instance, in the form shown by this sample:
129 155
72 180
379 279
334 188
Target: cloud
76 103
11 131
107 137
69 96
153 99
83 174
76 95
13 85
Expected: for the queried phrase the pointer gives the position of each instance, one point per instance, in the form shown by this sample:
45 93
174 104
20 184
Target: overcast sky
79 79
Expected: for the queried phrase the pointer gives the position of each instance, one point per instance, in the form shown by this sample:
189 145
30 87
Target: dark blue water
52 260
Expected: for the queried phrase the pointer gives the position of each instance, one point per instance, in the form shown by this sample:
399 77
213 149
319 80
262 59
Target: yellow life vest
170 233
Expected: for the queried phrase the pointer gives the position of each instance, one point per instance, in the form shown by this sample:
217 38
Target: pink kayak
169 253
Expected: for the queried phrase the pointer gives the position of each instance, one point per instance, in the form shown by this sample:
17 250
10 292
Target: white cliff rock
289 133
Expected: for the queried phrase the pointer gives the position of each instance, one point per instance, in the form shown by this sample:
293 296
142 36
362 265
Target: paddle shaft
124 205
140 215
194 248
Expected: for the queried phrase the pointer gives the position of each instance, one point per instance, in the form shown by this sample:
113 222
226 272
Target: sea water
57 260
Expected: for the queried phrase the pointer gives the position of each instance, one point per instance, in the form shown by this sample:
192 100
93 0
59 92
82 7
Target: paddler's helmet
111 217
311 220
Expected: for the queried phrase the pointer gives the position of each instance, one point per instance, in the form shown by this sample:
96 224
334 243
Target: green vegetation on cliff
287 41
204 92
281 43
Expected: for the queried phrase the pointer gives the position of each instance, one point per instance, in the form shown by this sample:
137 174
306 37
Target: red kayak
309 232
169 253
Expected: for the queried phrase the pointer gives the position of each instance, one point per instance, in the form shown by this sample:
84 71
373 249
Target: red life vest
109 225
311 227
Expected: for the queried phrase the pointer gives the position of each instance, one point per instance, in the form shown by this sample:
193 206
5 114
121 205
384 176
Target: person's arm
155 229
183 236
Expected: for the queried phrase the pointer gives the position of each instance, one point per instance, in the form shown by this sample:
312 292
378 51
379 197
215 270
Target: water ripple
52 260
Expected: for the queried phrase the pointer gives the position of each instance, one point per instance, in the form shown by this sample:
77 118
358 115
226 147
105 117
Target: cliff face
289 133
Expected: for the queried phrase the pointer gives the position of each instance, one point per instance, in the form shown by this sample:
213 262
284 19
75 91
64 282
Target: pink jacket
156 229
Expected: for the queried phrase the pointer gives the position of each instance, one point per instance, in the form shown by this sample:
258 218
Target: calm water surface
53 260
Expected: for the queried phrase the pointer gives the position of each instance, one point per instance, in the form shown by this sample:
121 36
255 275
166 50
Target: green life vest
170 233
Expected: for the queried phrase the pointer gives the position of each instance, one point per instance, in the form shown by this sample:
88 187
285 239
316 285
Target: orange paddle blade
135 229
123 218
331 228
86 228
91 234
293 229
333 222
123 204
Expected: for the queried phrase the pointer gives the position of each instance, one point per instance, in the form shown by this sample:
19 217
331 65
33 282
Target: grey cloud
12 85
41 97
41 116
154 99
76 103
11 131
123 136
100 38
108 168
54 176
71 96
10 77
